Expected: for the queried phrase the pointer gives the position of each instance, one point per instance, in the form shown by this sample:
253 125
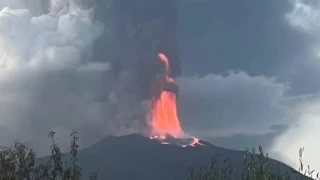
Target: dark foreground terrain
137 157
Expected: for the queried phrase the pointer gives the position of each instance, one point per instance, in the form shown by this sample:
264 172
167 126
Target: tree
19 163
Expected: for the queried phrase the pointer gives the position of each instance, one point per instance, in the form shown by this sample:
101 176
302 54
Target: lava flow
165 124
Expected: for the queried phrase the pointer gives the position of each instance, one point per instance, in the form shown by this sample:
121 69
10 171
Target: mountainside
137 157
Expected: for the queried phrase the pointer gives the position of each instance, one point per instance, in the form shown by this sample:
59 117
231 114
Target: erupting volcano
164 117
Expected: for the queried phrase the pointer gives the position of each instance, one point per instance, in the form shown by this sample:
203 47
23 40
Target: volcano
136 157
165 153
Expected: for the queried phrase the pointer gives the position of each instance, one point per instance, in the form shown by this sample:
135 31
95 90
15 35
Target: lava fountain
165 125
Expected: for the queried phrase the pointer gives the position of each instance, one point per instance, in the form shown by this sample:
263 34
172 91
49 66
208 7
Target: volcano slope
136 157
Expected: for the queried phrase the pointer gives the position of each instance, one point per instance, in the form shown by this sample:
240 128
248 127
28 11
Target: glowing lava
164 117
193 143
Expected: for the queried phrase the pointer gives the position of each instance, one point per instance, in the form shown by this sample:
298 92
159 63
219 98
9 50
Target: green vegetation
256 167
18 163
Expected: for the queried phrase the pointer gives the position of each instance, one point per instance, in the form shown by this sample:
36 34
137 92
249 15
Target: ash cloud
216 105
48 80
304 132
238 111
239 107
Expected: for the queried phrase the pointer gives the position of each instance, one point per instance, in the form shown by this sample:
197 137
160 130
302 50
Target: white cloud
305 109
44 40
236 103
302 133
47 81
305 16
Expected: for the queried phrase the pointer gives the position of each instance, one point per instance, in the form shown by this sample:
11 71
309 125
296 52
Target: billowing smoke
305 17
49 80
143 30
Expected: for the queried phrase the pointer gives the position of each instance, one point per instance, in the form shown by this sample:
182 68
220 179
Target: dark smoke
59 78
142 29
135 32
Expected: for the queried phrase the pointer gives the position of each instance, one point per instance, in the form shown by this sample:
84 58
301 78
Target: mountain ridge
137 157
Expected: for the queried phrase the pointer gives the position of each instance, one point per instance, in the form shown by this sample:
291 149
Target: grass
18 163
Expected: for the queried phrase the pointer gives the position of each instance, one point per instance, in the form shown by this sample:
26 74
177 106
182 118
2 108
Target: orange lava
194 143
164 116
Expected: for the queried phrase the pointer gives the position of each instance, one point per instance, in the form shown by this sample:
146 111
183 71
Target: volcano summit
138 158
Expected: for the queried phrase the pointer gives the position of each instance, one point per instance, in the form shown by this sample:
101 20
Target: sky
249 76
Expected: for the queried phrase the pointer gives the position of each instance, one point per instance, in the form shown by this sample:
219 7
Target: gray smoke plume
50 81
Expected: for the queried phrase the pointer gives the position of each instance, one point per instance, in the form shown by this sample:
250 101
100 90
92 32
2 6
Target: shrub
256 167
18 163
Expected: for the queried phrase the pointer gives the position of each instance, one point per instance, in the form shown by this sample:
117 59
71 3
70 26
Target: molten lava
164 117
